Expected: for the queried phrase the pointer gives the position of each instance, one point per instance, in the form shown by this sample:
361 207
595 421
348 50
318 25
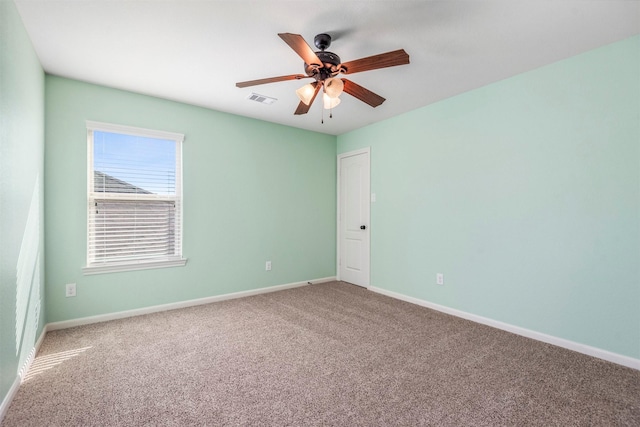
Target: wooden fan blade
271 80
297 43
383 60
304 108
364 95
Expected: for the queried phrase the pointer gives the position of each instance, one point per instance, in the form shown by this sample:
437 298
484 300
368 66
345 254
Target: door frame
365 150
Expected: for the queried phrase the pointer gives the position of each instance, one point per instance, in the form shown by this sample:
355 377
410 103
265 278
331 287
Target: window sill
142 265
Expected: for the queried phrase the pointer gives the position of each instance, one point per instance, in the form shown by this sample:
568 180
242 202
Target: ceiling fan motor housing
330 66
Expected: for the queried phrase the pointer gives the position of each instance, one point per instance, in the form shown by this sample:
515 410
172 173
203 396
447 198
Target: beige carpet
328 354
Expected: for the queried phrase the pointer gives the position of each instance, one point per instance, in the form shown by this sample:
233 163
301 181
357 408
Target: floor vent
262 99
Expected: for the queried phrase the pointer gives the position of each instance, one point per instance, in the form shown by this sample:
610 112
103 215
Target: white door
353 217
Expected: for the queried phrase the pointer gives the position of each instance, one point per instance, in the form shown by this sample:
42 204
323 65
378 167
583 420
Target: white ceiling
195 51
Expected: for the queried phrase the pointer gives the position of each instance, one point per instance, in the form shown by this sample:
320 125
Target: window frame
144 264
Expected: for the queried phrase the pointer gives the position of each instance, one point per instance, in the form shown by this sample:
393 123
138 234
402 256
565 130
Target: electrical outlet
70 290
267 266
440 279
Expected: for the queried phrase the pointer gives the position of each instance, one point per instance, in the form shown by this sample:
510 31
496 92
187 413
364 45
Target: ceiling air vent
261 98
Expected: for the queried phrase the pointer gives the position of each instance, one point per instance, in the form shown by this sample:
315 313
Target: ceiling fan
324 66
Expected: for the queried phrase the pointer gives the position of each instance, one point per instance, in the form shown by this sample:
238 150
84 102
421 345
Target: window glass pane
127 230
133 164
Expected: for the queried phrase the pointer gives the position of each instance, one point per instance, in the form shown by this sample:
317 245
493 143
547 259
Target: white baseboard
620 359
182 304
6 402
4 407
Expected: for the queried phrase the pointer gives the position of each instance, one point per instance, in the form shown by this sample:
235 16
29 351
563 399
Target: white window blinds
134 198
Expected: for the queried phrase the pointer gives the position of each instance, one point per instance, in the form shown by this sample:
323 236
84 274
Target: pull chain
322 107
330 114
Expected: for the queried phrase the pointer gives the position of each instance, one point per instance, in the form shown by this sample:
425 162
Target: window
134 198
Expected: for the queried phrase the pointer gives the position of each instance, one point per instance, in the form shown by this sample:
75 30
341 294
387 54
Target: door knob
363 227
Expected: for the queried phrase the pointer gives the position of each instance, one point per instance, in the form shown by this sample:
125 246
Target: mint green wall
253 191
21 174
525 194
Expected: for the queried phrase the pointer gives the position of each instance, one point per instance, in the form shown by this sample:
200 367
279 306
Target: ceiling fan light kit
333 87
305 93
324 66
330 103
